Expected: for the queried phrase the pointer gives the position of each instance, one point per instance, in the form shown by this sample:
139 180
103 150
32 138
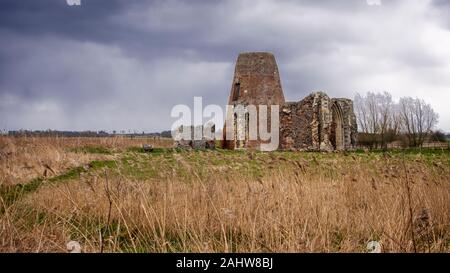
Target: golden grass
25 158
222 201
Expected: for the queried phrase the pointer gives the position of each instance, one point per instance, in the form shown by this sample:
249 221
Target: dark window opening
236 92
247 126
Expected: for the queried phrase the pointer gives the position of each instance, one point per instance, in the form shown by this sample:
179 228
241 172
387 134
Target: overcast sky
123 64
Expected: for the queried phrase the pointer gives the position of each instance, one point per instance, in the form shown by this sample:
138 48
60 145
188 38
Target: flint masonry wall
306 125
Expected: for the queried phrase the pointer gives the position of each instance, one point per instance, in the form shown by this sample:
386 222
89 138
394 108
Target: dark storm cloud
42 17
123 64
158 27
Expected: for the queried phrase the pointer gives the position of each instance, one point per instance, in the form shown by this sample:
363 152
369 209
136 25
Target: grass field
110 196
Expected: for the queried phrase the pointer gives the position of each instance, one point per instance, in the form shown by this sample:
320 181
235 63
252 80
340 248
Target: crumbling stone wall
207 141
306 125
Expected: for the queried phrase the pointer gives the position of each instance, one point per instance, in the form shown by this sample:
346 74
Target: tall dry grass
303 203
25 158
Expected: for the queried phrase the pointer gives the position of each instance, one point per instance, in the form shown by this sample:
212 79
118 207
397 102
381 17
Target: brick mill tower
256 82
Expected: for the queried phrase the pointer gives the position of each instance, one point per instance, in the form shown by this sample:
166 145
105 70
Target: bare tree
381 119
377 116
361 113
385 109
418 119
396 119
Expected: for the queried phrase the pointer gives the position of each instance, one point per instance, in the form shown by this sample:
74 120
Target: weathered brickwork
256 82
316 123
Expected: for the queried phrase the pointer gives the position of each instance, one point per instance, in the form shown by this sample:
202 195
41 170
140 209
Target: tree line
381 120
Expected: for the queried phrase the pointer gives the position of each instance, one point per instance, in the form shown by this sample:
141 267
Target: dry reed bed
301 203
25 158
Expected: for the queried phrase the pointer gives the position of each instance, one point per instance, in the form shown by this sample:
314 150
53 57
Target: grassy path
11 194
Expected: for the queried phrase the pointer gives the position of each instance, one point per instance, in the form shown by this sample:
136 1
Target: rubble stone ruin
184 137
316 123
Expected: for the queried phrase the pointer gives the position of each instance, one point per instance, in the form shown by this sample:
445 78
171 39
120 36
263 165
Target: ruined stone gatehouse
316 123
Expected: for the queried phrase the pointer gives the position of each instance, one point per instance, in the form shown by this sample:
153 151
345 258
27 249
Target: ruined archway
337 128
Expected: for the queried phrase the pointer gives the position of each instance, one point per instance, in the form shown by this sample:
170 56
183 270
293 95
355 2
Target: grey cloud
123 64
441 12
